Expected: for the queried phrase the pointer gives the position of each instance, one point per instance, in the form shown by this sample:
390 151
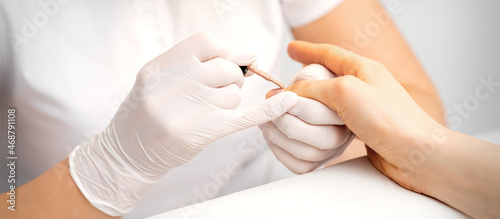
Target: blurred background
458 44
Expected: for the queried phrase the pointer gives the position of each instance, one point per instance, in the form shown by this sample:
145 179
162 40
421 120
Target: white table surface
353 189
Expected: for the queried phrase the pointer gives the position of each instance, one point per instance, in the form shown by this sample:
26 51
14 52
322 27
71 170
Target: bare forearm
52 195
429 101
464 173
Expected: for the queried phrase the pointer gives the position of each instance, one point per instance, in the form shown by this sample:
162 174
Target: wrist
426 156
102 177
416 148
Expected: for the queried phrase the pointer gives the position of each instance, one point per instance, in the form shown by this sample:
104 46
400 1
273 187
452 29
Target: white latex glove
182 101
310 134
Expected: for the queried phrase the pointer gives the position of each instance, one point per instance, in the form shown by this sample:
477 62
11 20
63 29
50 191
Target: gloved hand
182 101
310 134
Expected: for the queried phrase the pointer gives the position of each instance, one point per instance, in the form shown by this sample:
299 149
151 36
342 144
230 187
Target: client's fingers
335 93
337 59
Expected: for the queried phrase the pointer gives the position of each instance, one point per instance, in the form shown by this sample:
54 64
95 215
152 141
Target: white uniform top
67 64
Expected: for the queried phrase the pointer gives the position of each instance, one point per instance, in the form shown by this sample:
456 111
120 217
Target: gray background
456 42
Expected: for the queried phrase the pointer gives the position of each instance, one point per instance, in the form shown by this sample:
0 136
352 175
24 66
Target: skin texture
403 141
342 27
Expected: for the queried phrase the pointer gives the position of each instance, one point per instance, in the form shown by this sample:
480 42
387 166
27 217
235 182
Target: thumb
263 112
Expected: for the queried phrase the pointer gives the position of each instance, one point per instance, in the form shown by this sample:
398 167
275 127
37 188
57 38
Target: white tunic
67 64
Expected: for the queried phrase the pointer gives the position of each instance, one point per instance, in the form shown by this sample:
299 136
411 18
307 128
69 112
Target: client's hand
403 142
371 103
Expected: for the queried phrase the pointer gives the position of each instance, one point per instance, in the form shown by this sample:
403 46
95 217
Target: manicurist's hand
403 142
182 101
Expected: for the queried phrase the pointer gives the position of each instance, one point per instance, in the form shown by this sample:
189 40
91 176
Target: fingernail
291 50
274 92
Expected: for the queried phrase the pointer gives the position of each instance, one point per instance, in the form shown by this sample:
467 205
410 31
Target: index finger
207 47
337 59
